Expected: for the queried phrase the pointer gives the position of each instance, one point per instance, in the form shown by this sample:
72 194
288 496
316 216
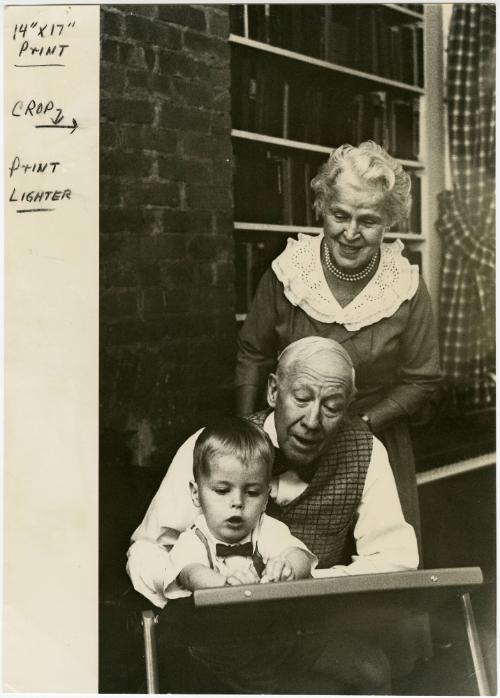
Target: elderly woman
349 285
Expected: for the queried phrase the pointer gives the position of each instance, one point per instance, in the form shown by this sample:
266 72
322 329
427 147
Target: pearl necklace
343 276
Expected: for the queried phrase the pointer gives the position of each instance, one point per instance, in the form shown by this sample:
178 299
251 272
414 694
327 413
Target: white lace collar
299 269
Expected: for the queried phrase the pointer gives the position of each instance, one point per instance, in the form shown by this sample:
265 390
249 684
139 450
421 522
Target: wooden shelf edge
405 11
285 53
312 230
301 145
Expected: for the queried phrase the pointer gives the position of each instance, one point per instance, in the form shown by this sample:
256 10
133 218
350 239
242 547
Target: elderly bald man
331 478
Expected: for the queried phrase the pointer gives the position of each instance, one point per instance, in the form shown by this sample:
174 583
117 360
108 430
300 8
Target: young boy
234 542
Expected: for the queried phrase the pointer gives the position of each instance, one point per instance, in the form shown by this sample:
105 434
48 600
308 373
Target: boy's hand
278 569
242 577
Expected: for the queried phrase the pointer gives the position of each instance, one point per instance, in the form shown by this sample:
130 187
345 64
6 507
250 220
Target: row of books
254 255
364 37
266 100
273 187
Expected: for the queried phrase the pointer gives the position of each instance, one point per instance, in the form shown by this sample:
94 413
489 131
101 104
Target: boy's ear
193 488
272 390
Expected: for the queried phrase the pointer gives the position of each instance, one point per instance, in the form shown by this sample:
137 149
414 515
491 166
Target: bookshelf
307 78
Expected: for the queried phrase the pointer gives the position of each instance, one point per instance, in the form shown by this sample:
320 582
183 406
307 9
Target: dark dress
396 357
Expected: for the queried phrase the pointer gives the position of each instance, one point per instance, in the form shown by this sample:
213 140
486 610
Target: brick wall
167 286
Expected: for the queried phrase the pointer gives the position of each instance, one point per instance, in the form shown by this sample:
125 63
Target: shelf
299 145
275 228
405 11
275 50
310 230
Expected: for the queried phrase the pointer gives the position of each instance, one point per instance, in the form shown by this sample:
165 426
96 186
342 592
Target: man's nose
312 415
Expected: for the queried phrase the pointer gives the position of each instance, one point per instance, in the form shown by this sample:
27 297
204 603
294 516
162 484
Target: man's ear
272 390
193 488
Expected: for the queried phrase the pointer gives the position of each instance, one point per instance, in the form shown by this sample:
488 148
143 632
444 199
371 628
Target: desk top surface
460 578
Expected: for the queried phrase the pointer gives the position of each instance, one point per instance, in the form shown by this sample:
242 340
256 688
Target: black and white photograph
296 410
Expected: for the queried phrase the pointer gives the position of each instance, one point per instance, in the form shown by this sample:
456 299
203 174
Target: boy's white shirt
385 542
272 536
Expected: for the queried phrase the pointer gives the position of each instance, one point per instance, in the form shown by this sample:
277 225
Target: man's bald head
310 351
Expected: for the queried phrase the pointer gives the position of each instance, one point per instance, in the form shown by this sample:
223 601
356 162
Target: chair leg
149 619
474 645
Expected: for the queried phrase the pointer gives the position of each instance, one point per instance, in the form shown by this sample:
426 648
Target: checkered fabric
467 214
324 514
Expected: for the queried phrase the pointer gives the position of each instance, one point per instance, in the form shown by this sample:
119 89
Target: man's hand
237 577
278 569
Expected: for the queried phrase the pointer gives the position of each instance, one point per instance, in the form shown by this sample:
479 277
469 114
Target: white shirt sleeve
385 542
275 537
188 550
171 511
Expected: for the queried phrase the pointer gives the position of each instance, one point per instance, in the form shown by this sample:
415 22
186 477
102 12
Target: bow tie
245 550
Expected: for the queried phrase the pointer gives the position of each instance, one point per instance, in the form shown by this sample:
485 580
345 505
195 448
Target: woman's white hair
374 166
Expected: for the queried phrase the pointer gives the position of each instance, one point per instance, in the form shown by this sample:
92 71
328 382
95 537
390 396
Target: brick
107 135
199 145
122 272
197 95
220 76
132 111
220 123
221 99
165 36
204 276
118 304
121 219
149 138
111 22
110 50
175 221
161 84
177 274
112 78
136 56
185 118
183 15
200 197
218 23
110 191
183 170
163 247
152 302
200 222
179 64
222 173
139 79
224 221
145 10
120 164
176 300
161 194
215 48
202 247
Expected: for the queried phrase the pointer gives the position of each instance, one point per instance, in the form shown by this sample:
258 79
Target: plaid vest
323 515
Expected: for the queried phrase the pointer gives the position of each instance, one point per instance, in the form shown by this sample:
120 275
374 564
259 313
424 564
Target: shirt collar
270 428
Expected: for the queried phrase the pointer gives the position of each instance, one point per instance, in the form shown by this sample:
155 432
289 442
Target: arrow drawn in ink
72 126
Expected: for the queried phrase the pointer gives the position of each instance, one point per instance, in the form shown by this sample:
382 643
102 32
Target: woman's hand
278 569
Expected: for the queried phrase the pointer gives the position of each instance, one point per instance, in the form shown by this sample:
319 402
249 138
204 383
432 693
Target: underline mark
33 210
41 65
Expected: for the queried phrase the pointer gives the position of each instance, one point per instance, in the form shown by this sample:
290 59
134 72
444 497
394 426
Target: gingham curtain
467 214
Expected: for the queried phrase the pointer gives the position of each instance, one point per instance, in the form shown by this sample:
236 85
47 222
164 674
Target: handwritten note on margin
51 117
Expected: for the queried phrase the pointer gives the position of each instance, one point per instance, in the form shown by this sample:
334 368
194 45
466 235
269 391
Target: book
404 128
